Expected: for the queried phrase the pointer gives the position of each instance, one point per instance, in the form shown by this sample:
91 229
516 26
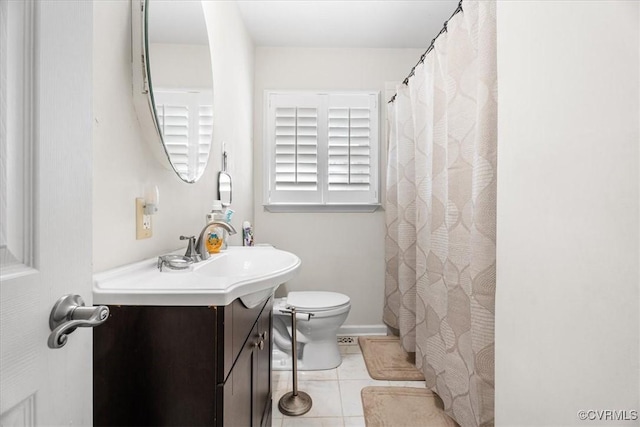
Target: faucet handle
191 247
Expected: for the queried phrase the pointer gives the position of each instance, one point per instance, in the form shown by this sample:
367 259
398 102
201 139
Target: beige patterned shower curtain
441 214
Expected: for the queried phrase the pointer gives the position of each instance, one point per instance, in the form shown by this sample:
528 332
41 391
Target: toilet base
313 356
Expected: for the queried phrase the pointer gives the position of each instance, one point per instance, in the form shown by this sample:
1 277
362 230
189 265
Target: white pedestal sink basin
249 273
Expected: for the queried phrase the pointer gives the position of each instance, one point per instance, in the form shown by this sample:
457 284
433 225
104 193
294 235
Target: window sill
309 208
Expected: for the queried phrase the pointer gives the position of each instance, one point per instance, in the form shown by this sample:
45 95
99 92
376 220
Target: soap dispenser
217 236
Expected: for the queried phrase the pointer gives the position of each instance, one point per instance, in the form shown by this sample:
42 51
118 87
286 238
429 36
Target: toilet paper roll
303 316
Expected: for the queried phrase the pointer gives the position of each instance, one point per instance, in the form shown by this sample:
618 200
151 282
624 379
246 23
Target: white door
46 128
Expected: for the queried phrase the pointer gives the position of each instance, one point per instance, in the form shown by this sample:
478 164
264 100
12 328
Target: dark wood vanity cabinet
183 366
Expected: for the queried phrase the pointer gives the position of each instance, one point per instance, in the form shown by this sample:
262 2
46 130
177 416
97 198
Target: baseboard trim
362 330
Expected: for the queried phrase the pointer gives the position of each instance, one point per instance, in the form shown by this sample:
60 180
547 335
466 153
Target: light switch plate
144 228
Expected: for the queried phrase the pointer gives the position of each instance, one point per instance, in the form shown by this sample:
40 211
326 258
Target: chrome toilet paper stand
296 402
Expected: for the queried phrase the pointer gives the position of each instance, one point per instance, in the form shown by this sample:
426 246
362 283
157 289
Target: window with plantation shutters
321 149
185 119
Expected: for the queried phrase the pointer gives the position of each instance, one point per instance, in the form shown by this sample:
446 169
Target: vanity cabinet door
239 323
262 370
238 388
247 389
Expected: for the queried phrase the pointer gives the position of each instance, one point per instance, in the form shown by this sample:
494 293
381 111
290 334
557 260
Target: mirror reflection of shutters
174 124
296 148
205 133
185 118
349 149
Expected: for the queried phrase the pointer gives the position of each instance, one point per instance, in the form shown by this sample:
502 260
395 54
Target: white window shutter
296 149
352 151
293 123
307 148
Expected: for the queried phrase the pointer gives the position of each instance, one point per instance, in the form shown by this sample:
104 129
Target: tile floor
335 393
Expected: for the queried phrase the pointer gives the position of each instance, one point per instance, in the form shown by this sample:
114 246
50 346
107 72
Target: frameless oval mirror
173 82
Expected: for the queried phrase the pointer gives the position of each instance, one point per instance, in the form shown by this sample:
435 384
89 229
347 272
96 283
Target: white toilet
316 336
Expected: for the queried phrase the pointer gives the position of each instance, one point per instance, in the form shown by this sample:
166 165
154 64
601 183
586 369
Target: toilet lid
316 300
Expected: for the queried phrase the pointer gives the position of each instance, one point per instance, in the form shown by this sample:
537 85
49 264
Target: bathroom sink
249 273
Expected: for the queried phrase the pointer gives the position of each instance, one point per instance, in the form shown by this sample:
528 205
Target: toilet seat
316 301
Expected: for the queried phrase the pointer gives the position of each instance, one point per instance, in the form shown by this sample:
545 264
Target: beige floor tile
335 392
275 398
324 375
349 349
312 422
354 422
350 395
280 380
325 396
353 368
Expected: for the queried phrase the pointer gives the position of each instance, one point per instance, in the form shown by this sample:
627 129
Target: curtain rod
429 49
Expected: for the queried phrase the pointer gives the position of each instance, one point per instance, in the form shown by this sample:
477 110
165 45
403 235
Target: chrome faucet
191 252
200 246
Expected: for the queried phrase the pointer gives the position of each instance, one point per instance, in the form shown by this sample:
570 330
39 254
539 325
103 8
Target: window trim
309 206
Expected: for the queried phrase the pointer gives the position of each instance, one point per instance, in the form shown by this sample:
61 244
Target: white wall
567 302
180 66
341 252
123 163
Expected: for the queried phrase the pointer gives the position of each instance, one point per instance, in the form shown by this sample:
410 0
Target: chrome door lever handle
70 313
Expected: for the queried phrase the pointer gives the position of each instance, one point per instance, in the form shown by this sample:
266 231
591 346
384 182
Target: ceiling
345 23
